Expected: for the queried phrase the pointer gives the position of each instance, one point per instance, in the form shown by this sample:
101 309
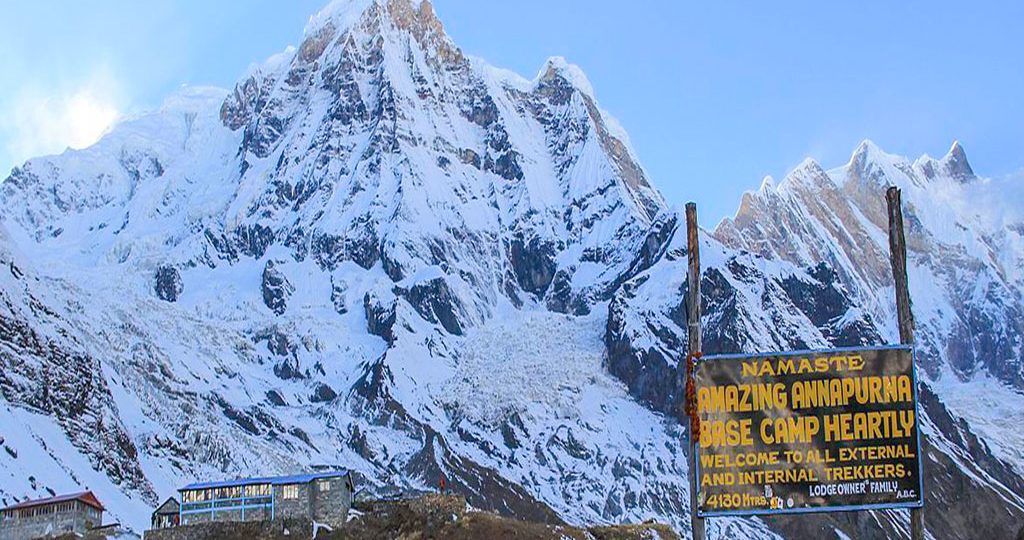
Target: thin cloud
42 121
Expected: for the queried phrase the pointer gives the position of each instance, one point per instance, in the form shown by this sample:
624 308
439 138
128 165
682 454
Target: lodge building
167 515
77 513
321 497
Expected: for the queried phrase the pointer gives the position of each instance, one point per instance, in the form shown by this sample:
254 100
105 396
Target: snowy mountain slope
965 259
381 254
965 254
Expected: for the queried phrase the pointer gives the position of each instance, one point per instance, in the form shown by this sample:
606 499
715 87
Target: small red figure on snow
442 484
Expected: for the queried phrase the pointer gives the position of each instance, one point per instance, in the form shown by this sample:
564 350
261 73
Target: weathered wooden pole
898 257
694 346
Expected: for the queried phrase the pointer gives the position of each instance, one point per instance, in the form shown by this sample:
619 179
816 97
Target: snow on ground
501 373
576 414
994 411
33 442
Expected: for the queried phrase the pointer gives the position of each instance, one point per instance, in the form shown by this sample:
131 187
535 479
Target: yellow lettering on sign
869 425
789 430
741 398
725 433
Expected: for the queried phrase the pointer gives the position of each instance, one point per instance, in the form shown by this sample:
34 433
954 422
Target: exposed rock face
533 263
381 314
168 285
745 306
828 306
323 393
45 369
338 290
276 288
521 285
434 301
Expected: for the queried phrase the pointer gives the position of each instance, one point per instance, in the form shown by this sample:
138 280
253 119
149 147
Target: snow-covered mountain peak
331 151
953 165
808 175
343 13
374 16
807 167
340 15
866 151
559 67
870 166
325 235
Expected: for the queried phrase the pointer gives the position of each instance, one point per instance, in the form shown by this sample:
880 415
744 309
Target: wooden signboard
807 431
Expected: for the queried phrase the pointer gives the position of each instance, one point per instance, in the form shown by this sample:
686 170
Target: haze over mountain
378 253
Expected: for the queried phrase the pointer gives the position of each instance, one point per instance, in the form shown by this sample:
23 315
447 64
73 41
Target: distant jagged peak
953 165
807 175
868 153
867 147
869 163
808 164
555 70
805 180
870 167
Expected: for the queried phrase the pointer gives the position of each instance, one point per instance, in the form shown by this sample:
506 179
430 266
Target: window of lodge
230 492
291 491
258 490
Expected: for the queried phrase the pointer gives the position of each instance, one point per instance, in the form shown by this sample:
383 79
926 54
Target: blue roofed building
323 497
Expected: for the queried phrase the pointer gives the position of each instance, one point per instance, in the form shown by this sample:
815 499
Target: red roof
85 497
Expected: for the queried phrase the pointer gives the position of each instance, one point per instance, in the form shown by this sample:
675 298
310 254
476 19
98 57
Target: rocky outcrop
434 301
828 306
276 288
649 371
168 285
380 309
533 261
323 393
338 290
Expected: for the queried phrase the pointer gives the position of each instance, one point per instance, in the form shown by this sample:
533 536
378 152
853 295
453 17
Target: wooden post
898 257
694 345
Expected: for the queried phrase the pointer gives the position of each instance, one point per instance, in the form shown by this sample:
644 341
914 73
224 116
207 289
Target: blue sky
714 95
